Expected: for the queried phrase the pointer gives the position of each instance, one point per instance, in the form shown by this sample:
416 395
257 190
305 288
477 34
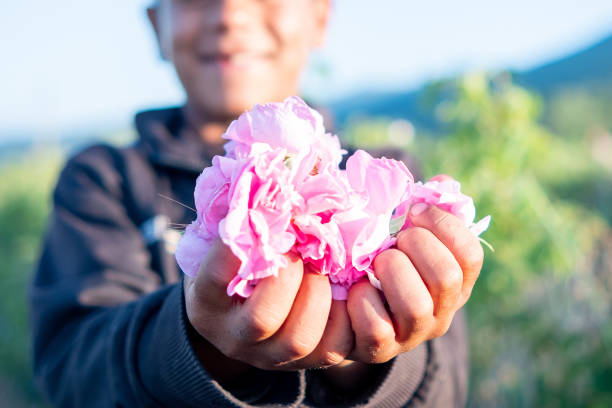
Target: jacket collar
167 142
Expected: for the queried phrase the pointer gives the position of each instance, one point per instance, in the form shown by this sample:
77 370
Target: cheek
186 34
185 29
293 29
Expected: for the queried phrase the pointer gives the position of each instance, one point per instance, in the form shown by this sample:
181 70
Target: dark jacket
107 308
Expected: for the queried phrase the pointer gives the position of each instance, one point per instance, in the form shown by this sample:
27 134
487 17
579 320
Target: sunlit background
512 98
77 66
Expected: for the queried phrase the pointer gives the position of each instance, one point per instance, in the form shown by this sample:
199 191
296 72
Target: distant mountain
591 65
589 68
401 104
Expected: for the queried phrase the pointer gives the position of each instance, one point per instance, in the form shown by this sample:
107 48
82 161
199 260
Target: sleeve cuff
407 377
388 385
175 377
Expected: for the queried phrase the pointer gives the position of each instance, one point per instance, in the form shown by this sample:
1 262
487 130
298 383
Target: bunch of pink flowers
279 189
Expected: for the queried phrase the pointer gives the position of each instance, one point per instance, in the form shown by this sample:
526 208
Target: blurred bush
539 315
25 184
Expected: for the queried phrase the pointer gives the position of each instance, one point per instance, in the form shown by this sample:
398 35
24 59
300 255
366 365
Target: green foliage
579 110
24 204
539 313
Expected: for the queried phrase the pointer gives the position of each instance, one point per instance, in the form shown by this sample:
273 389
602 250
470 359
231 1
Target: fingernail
441 177
418 209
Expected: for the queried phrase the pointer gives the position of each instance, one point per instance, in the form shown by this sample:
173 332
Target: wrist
348 374
220 367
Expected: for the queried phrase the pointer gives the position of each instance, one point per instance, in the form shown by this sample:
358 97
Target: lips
235 58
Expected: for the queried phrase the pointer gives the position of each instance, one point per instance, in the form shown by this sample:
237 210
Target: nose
229 15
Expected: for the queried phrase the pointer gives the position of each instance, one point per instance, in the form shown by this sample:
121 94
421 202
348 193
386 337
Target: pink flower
192 248
256 228
211 192
446 195
279 189
212 203
378 186
290 124
319 241
382 182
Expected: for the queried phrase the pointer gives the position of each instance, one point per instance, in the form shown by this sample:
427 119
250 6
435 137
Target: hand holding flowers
282 206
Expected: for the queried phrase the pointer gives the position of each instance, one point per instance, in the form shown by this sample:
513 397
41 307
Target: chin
230 104
235 105
245 94
229 97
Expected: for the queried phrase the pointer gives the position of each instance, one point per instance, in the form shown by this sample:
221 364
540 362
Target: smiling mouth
236 60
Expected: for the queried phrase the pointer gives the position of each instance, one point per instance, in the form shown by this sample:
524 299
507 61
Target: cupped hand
289 322
425 280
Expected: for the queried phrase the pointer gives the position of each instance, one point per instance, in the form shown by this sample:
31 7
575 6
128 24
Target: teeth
242 57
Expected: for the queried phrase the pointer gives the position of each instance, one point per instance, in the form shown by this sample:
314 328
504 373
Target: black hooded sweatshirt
107 306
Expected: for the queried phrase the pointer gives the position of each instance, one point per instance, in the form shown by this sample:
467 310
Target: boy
115 326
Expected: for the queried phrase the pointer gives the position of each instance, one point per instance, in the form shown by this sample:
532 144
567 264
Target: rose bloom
279 189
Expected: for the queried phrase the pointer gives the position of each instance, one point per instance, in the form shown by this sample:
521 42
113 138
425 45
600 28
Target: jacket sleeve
106 331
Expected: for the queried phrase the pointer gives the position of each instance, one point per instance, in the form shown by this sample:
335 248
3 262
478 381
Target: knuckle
389 255
374 354
451 279
421 315
423 309
376 345
465 296
411 237
377 355
295 349
387 259
335 354
419 324
441 329
332 358
374 342
258 326
474 255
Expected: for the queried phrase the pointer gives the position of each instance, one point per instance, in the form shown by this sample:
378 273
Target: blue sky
70 64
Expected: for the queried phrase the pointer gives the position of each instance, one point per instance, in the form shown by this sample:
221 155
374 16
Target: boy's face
231 54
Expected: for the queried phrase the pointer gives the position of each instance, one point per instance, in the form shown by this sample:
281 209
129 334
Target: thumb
441 178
